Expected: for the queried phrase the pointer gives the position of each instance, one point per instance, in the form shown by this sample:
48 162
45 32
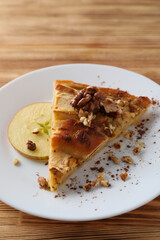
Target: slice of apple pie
85 118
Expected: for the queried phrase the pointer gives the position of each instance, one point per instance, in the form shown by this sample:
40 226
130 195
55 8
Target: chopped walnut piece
137 149
31 145
36 131
43 184
113 158
129 135
100 176
87 102
91 116
105 183
133 107
109 100
88 99
108 132
92 100
82 113
85 121
91 90
142 144
77 98
95 182
127 159
132 115
117 145
121 102
87 187
111 127
16 161
101 179
111 109
124 176
84 101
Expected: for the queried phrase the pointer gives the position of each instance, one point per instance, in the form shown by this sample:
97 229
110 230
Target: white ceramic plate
18 185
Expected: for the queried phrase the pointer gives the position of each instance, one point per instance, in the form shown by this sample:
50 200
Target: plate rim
81 218
67 219
70 65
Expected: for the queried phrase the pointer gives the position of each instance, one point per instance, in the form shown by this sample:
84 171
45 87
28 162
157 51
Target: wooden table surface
39 33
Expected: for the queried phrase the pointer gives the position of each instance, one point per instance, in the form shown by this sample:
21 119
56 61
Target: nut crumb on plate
142 144
137 149
124 176
100 179
113 158
87 187
117 145
43 184
105 183
127 159
16 161
129 135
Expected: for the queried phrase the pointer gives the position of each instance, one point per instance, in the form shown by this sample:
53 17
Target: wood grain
36 34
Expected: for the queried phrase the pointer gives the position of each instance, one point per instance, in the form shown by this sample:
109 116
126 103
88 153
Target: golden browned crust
117 93
74 137
63 88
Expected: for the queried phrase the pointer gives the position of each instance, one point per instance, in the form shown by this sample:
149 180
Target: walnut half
31 145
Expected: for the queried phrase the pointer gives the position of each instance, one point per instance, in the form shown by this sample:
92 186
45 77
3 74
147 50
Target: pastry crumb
124 176
16 161
113 158
127 159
